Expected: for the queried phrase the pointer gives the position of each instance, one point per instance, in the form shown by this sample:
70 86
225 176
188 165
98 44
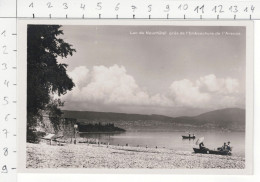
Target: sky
168 70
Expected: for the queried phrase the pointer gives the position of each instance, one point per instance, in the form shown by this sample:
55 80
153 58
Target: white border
22 29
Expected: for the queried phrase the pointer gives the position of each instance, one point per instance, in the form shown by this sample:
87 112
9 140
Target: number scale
12 10
140 9
8 86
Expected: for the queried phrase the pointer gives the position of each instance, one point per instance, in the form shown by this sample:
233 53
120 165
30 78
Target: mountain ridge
228 118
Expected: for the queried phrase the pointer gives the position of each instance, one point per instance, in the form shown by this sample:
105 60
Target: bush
34 136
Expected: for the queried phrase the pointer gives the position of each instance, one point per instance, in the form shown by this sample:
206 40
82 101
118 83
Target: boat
188 137
221 148
208 151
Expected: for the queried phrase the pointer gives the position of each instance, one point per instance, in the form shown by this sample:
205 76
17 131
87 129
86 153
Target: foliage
54 112
98 127
45 76
34 136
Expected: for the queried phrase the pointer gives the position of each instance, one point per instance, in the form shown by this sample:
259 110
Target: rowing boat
208 151
188 137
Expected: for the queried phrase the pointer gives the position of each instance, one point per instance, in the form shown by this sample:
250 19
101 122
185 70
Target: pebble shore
103 156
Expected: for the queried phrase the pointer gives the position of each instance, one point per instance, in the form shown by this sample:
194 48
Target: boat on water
188 137
208 151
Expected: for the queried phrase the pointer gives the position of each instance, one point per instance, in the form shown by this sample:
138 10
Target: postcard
166 97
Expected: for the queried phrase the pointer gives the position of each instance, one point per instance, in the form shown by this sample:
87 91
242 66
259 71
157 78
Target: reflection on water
173 140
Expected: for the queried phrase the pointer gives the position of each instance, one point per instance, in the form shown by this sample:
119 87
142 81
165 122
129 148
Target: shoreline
110 156
112 132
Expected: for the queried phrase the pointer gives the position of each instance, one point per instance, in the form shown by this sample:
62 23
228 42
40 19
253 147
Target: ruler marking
142 18
7 167
241 8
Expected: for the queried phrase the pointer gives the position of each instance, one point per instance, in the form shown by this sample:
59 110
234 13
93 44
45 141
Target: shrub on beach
34 136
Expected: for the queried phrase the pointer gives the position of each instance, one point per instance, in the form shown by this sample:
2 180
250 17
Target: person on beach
224 147
228 146
201 145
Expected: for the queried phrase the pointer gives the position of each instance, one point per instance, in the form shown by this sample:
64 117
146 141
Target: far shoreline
108 132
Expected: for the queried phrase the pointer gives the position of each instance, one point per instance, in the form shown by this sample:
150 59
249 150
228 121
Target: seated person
201 145
228 147
224 147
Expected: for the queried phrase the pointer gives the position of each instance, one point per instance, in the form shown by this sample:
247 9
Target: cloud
207 91
186 93
211 83
102 86
111 85
80 75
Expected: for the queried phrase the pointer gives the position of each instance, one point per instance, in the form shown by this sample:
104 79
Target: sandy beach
103 156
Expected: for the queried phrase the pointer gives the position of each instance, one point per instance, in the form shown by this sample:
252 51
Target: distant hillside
223 116
229 118
224 119
90 115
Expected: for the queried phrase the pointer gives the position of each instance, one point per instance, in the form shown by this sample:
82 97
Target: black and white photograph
138 96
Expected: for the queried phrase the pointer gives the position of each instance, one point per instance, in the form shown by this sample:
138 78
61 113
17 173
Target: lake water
173 140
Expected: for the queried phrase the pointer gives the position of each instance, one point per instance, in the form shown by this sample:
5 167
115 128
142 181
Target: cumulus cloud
186 93
211 83
101 85
111 85
80 75
207 91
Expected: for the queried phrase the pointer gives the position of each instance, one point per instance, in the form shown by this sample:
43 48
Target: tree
53 108
45 76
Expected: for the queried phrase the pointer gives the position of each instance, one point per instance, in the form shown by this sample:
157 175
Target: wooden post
75 130
75 136
71 132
